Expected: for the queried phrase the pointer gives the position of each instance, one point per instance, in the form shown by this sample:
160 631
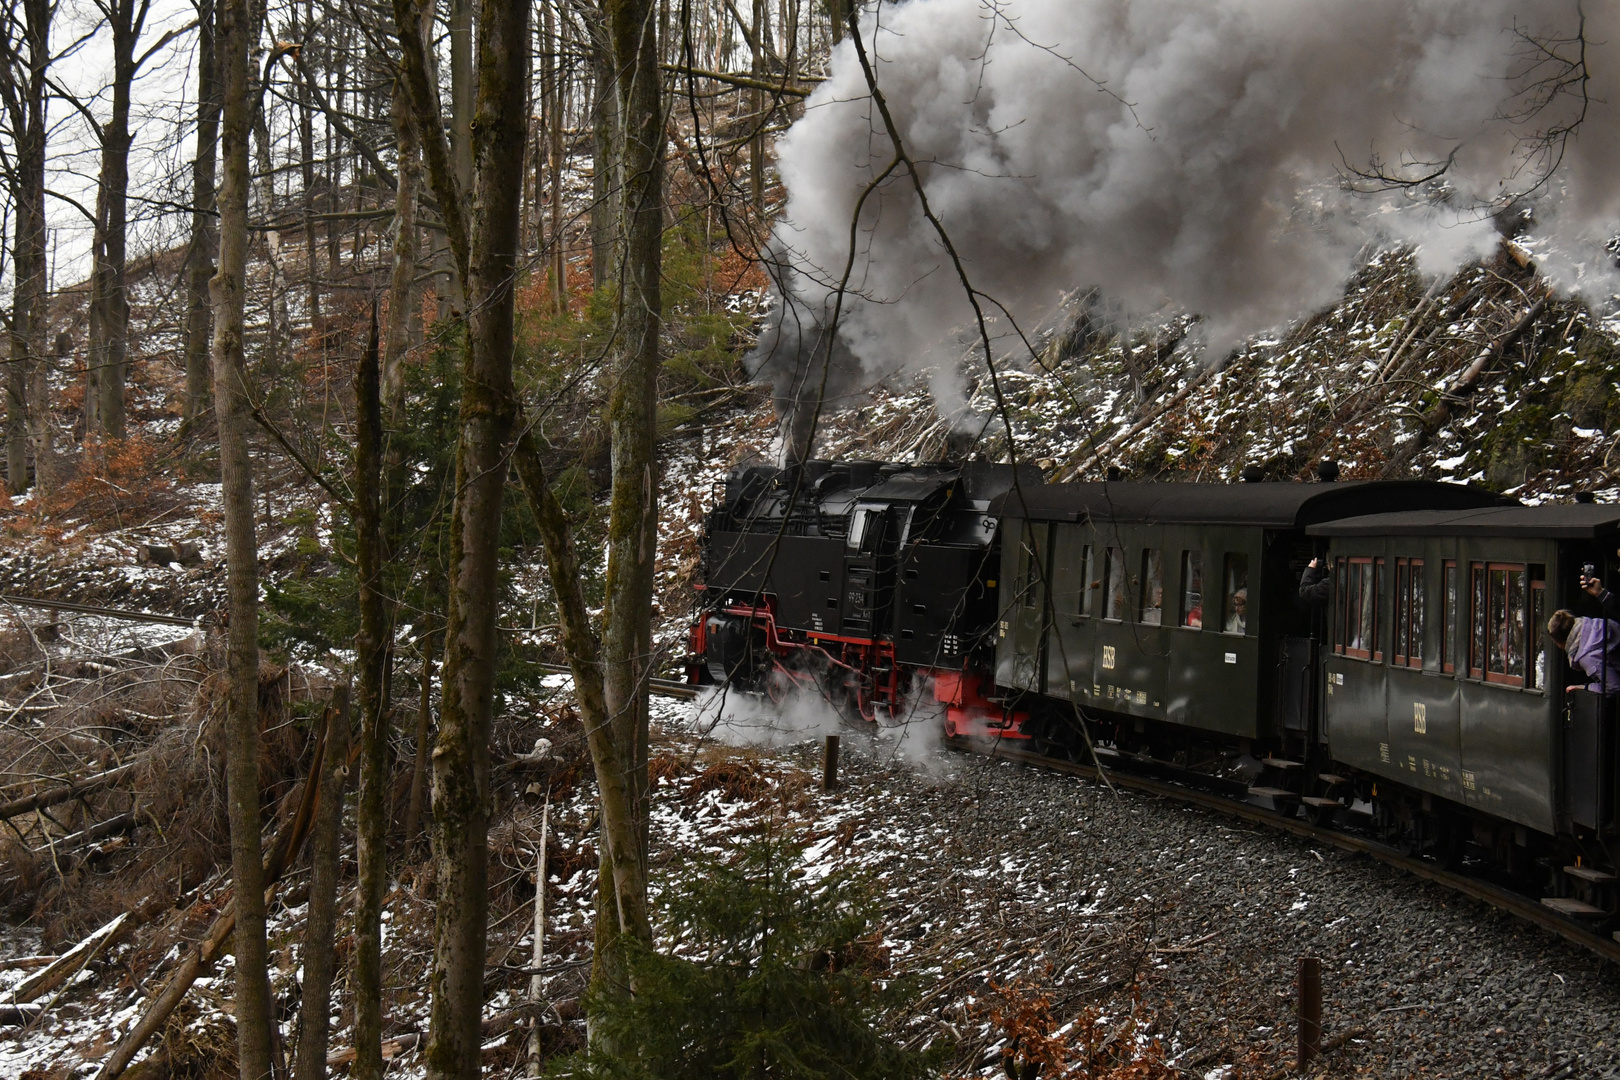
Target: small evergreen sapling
768 972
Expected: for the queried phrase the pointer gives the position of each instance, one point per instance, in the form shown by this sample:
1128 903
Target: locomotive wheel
778 685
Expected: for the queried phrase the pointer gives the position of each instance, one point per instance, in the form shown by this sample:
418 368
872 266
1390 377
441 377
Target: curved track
1503 899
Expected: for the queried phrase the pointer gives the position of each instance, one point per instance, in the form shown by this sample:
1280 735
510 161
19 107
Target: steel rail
1496 896
665 687
91 609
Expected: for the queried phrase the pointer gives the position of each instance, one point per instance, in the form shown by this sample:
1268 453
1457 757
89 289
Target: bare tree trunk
485 250
402 285
306 146
18 369
633 508
241 547
109 295
23 87
756 103
370 649
461 114
325 867
461 89
204 230
538 951
605 185
552 152
424 726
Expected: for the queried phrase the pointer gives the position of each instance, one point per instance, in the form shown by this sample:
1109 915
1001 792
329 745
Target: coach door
1021 626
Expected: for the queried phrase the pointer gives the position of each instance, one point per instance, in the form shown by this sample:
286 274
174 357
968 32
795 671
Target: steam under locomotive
1161 625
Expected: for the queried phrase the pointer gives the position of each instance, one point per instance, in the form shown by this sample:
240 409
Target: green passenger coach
1439 675
1175 604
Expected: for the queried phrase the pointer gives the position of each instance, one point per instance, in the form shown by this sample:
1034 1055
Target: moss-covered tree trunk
633 508
371 662
325 866
241 552
483 237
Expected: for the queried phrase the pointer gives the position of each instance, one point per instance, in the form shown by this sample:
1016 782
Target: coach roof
1558 521
1272 505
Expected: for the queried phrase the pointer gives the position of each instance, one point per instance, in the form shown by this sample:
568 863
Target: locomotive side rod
1502 899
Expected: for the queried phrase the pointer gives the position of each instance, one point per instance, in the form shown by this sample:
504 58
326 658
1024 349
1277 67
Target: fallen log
69 963
13 1015
73 841
71 790
1463 385
277 856
27 963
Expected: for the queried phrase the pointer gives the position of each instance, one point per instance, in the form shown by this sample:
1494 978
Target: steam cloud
913 736
1176 155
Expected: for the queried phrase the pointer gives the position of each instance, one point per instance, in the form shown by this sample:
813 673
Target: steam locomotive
1161 626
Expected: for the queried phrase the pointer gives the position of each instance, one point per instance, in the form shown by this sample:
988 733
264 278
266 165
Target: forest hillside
355 570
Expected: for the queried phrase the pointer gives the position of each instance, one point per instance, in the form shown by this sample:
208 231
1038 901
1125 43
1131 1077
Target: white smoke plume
736 718
1182 155
914 735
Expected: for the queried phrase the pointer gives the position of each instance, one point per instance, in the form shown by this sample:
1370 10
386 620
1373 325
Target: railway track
1525 908
1503 899
662 687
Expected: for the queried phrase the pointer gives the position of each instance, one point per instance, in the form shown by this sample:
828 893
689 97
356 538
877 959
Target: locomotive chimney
797 418
958 445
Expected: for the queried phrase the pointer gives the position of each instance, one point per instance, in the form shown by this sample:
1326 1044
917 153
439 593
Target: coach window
1504 650
1118 594
1360 608
1088 583
1235 610
1409 613
1476 620
1377 610
1448 622
1341 603
1536 649
1152 597
1192 589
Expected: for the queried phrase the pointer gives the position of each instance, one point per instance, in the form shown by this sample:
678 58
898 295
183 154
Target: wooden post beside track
1310 1010
829 765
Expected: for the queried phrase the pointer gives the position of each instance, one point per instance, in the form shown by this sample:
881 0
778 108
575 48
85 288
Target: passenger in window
1237 606
1315 583
1593 648
1153 610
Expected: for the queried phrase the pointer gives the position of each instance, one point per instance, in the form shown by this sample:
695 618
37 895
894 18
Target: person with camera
1316 582
1592 585
1593 649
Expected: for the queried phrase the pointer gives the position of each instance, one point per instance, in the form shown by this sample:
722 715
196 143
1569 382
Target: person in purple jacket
1593 648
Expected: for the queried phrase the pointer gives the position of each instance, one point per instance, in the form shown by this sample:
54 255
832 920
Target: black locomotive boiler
1161 626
